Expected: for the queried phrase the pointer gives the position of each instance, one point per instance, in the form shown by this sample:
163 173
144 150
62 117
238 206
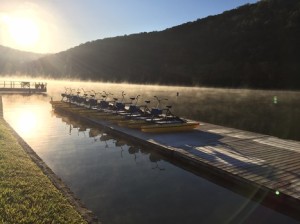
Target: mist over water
269 112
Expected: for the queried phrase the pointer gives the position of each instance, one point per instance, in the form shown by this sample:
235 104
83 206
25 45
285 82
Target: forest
11 59
252 46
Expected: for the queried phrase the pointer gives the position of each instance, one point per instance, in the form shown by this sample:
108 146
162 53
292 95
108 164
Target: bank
30 191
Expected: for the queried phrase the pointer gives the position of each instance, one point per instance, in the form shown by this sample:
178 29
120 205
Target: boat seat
156 111
133 109
93 102
103 104
120 106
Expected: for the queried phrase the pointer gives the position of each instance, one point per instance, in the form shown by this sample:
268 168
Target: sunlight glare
23 31
26 123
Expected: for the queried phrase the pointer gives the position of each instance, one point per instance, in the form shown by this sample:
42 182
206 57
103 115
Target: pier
22 87
242 160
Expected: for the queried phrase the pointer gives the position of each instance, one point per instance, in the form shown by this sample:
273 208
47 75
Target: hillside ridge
252 46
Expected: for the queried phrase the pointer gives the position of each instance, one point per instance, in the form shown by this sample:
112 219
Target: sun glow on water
26 122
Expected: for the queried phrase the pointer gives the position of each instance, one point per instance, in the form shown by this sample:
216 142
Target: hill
256 46
11 59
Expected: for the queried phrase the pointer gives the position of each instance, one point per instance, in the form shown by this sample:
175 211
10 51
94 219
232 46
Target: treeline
12 60
253 46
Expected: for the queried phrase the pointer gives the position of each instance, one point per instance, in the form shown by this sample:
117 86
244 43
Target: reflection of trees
99 134
155 158
104 138
133 150
120 143
74 124
94 132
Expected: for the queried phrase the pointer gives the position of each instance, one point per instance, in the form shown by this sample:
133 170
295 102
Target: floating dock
268 165
22 87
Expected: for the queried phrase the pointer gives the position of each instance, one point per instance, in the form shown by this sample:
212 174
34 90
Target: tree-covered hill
11 60
256 46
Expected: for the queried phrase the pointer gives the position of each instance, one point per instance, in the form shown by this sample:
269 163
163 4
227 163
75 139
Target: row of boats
130 114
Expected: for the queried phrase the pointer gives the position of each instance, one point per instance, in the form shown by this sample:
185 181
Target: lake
124 183
275 113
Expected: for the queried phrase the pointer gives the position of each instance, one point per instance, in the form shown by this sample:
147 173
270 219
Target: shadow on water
98 134
205 146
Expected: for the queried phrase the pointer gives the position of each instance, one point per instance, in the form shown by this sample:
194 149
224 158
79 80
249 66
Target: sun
23 31
27 27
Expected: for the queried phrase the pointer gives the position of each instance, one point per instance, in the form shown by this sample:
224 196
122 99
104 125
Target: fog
268 112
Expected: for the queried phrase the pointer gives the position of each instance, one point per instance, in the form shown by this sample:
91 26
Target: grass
26 193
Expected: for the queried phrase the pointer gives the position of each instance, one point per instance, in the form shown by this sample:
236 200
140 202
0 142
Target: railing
23 85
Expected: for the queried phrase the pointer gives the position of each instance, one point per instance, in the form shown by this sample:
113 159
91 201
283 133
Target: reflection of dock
267 166
22 87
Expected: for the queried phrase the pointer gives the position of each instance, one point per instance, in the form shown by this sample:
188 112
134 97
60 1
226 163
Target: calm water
275 113
121 182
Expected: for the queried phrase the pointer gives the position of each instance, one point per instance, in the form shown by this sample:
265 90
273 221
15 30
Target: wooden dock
268 165
22 87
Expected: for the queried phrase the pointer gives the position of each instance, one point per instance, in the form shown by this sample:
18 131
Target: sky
51 26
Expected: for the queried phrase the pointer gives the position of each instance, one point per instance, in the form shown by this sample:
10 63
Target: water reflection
78 127
27 122
30 117
248 209
124 183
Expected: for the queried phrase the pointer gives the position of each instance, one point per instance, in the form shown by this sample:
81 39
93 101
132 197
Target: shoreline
76 204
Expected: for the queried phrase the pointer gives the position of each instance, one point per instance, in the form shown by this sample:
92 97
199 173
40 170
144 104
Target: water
121 182
275 113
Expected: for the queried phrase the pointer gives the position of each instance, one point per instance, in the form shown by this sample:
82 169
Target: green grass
26 194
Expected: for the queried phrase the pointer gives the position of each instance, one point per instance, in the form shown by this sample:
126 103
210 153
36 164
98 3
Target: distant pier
22 87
